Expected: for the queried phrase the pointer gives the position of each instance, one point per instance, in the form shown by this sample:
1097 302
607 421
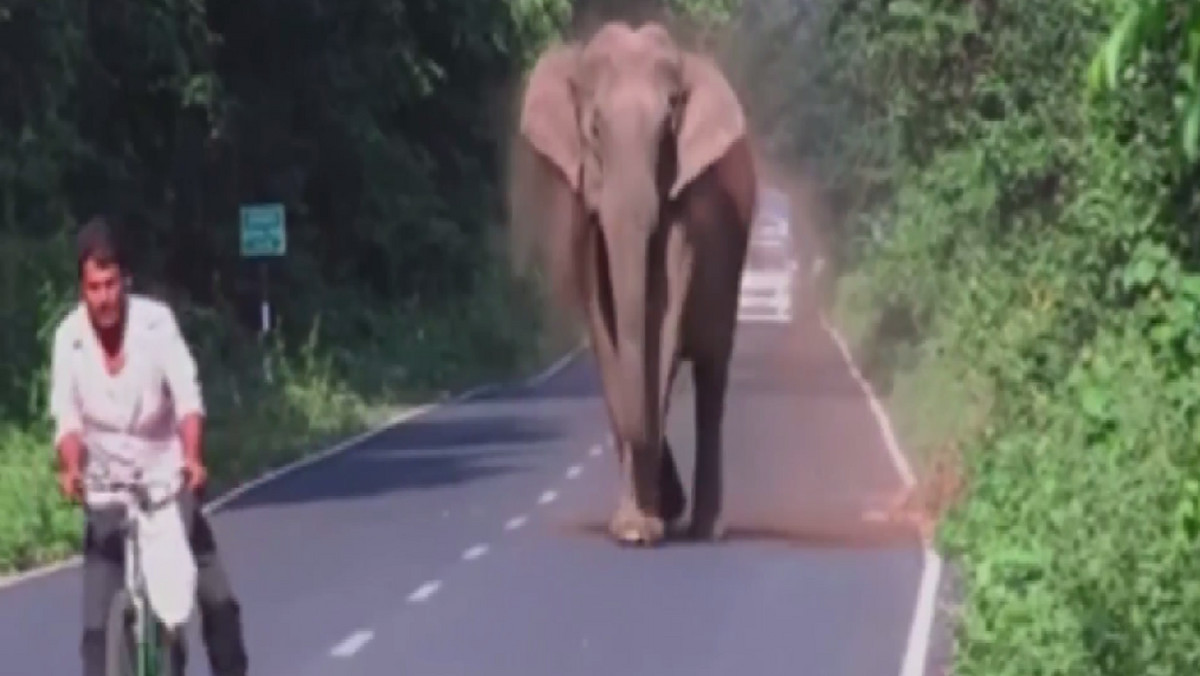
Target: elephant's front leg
669 286
652 493
651 489
638 519
643 517
673 502
712 377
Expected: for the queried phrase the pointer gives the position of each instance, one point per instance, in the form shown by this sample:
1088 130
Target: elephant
648 189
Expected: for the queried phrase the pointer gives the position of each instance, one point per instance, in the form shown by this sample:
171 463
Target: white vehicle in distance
768 278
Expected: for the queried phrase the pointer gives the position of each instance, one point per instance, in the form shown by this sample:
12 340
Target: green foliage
708 12
1161 34
376 124
1019 260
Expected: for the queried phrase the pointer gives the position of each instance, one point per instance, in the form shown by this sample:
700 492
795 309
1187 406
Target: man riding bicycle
125 392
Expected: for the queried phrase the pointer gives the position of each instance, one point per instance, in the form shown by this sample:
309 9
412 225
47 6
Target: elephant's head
627 122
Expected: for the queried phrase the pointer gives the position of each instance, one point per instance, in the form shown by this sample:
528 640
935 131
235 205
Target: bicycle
137 641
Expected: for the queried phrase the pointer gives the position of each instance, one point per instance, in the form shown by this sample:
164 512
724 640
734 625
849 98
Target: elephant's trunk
632 356
638 419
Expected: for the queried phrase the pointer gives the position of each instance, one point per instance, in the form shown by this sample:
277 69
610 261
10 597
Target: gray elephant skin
638 170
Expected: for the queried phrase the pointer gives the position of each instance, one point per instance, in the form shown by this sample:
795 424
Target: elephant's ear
548 112
712 120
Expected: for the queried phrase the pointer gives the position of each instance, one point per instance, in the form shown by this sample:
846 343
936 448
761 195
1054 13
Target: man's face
103 293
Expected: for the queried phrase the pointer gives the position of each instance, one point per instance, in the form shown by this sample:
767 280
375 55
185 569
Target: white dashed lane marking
357 640
352 643
423 592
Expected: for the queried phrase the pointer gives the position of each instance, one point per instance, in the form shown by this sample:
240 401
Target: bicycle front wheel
127 654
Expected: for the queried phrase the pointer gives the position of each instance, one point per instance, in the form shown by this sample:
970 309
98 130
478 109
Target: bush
1036 242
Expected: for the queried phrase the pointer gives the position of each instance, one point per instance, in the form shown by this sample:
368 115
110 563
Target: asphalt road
468 542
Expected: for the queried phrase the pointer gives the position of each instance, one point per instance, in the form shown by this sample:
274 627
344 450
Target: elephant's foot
631 527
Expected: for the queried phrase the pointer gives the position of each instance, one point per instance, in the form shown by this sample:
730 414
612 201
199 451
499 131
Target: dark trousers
103 577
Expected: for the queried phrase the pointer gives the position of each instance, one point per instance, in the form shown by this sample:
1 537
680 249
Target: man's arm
191 433
184 381
64 409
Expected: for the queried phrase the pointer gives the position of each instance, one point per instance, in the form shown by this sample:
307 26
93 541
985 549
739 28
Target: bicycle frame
144 627
136 498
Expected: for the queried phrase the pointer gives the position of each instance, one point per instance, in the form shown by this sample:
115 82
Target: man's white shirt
129 419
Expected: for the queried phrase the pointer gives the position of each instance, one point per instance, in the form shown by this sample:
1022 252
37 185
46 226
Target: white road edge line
574 471
352 643
916 650
423 592
474 552
515 522
538 379
340 447
897 456
547 497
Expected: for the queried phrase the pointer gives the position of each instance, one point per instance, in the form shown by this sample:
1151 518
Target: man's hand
70 459
190 432
70 483
196 474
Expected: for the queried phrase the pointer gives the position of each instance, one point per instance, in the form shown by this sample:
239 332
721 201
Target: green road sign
264 230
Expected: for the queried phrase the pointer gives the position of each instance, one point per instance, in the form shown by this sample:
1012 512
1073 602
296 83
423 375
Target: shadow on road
465 426
838 531
463 444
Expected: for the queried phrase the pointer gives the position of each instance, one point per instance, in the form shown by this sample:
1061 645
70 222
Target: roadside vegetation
1015 207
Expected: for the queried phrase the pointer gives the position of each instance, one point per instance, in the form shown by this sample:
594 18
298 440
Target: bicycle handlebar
138 488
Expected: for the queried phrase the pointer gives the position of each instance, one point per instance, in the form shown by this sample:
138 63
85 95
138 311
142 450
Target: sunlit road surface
469 542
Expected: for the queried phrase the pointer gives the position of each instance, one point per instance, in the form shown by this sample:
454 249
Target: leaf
1189 284
1117 43
906 9
1096 74
1140 272
1191 128
1094 400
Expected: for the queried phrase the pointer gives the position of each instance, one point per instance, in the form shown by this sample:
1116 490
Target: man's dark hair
97 242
